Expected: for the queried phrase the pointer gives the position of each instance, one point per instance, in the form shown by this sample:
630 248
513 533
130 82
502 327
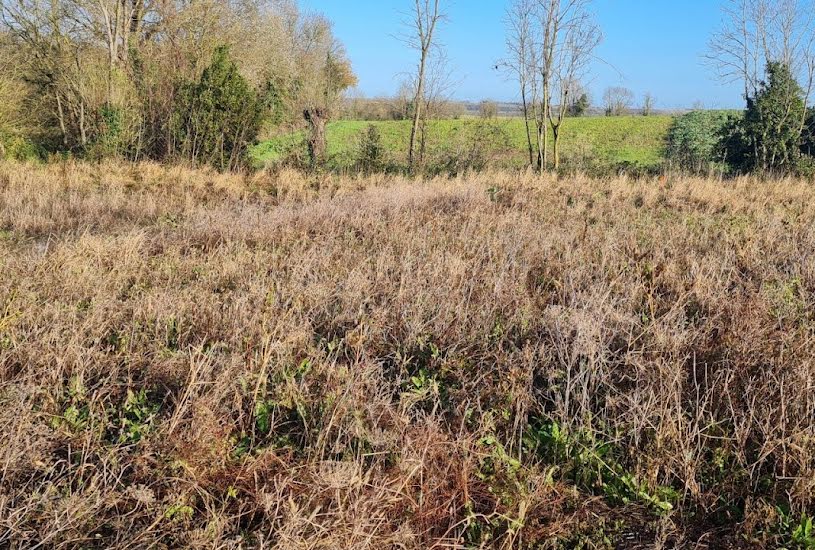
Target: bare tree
551 43
404 101
575 36
324 73
438 82
757 32
425 18
522 62
617 100
13 113
547 18
648 102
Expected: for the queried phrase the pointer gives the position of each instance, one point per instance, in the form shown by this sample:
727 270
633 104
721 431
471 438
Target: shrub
580 106
17 148
477 147
488 109
119 133
769 139
371 154
217 117
808 137
732 144
693 141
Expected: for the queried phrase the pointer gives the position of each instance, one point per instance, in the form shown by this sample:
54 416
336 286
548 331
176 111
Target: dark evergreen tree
217 117
769 137
580 106
808 137
371 154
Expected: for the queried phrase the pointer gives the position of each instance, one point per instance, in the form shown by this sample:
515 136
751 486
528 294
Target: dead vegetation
196 360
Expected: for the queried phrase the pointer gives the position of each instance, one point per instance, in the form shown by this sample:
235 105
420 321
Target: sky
653 46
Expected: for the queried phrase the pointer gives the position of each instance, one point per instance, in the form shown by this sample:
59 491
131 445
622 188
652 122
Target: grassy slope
194 360
634 139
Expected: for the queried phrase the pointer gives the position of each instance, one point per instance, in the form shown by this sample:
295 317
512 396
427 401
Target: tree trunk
556 145
61 116
545 106
82 131
422 140
528 129
545 159
417 109
316 119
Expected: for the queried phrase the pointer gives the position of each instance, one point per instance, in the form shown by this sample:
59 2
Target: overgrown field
192 360
606 141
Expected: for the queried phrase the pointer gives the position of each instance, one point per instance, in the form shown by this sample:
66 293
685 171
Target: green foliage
111 123
768 139
17 147
497 463
803 535
580 106
281 417
503 476
179 512
693 140
733 147
217 117
278 97
599 534
114 133
796 533
808 137
787 298
371 155
137 416
595 466
76 416
264 411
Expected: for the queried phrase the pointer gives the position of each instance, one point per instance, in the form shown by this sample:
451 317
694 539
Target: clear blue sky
650 46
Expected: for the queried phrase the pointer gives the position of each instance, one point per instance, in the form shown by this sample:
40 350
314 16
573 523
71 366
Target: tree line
165 80
200 81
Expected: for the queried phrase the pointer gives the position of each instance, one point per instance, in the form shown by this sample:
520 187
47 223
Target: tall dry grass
196 360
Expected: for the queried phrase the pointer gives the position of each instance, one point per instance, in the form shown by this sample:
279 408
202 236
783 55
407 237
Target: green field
635 140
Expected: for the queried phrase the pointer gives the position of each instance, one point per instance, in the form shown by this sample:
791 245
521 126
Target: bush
580 106
18 148
768 139
694 139
477 147
488 109
118 133
371 154
217 117
808 138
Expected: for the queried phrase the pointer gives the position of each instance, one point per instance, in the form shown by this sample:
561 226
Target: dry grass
204 361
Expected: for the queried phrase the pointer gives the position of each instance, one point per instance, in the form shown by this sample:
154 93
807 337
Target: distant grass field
637 140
